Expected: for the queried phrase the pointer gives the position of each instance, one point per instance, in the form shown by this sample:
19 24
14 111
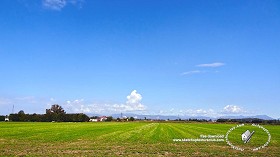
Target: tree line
2 118
55 113
249 120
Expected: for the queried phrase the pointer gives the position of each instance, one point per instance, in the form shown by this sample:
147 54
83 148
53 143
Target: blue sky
200 58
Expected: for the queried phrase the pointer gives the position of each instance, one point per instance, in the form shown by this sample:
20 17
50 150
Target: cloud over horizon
199 112
233 109
133 104
226 111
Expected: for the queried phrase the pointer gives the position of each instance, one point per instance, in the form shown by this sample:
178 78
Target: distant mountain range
172 117
264 117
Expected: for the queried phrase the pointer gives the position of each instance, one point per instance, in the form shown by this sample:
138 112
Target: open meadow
126 139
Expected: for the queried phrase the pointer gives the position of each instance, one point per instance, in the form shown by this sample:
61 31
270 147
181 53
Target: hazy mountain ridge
264 117
173 117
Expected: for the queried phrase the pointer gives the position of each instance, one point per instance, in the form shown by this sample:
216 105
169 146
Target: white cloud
132 104
54 4
232 109
192 72
75 106
172 111
211 65
134 99
59 4
227 110
76 2
199 112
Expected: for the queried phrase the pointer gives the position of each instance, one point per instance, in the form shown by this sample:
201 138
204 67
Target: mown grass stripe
121 139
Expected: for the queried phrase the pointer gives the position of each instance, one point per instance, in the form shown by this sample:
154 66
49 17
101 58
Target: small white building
7 119
99 119
102 118
93 120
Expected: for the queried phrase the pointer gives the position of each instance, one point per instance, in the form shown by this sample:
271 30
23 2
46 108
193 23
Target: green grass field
126 139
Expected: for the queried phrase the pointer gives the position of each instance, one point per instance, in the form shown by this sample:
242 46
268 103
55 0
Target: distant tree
2 118
55 113
131 119
47 117
94 117
82 117
55 109
221 120
22 117
34 117
21 112
109 119
14 117
257 121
